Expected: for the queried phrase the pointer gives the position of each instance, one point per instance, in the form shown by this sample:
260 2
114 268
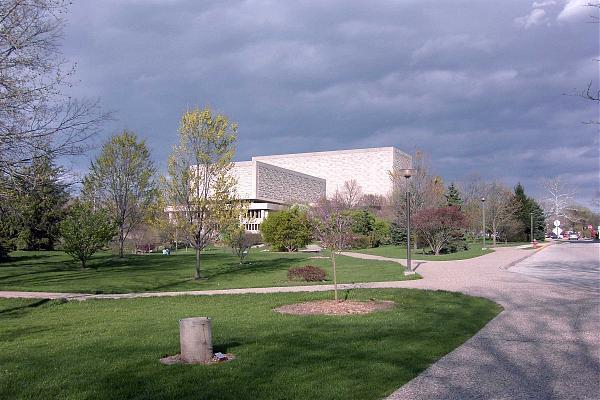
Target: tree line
123 198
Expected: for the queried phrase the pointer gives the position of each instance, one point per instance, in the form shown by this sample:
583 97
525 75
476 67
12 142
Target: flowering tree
333 227
437 226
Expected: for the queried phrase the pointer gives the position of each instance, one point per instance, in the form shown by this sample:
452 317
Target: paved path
435 275
544 345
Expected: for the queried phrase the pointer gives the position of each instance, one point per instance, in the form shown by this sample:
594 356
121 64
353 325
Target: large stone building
270 183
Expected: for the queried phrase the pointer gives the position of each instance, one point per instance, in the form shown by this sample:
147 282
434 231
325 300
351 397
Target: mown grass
56 271
110 349
424 254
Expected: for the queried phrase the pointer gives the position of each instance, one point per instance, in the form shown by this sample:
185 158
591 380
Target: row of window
254 213
252 227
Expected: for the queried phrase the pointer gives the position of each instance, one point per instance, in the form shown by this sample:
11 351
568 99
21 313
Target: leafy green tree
122 180
200 189
369 228
363 222
40 202
287 229
452 196
9 216
6 232
86 230
381 232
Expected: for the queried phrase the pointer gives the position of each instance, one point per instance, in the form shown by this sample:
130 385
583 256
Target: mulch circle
332 307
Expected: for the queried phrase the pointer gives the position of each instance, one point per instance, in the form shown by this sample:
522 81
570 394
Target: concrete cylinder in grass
195 337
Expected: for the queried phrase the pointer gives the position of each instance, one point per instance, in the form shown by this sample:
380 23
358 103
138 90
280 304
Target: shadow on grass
20 309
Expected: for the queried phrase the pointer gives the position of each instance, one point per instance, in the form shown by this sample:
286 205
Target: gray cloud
461 80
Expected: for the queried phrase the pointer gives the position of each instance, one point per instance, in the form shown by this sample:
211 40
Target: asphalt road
571 264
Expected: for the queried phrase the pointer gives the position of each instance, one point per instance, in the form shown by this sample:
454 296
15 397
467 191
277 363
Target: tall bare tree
500 208
351 193
36 118
122 180
558 197
200 188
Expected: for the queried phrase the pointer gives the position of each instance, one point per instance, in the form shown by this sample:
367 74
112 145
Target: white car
573 236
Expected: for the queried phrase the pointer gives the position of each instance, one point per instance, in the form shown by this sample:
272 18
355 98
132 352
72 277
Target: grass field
400 252
110 349
56 271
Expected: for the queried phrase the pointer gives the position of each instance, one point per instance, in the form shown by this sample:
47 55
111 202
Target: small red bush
307 273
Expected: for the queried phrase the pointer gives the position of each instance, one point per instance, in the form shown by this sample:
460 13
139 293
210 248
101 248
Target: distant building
270 183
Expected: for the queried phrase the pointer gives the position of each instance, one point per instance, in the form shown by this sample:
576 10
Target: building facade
369 167
270 183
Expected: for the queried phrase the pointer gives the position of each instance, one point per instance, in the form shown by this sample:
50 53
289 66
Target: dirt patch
176 359
332 307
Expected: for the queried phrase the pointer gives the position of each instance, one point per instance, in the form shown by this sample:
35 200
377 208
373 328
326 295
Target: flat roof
332 152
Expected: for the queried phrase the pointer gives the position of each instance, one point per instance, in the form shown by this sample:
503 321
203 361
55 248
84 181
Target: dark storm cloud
477 85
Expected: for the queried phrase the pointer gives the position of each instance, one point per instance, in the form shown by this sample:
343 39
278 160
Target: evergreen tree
528 207
397 233
40 203
452 196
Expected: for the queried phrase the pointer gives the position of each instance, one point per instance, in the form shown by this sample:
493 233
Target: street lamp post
483 212
531 228
407 173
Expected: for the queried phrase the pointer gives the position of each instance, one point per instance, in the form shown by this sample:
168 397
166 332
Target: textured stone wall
244 173
280 184
369 167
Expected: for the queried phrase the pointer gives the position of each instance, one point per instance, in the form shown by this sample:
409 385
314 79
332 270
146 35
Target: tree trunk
121 241
494 234
335 293
197 276
82 264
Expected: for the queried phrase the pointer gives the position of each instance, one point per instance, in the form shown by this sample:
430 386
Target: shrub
287 229
360 242
307 273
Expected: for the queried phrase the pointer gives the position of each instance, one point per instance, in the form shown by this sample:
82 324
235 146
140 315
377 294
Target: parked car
573 236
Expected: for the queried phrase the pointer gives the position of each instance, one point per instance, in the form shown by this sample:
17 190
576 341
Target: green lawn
55 271
110 349
400 252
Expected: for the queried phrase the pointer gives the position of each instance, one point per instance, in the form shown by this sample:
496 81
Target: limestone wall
244 173
369 167
287 186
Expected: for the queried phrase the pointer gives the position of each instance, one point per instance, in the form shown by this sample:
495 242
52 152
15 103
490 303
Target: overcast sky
478 85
